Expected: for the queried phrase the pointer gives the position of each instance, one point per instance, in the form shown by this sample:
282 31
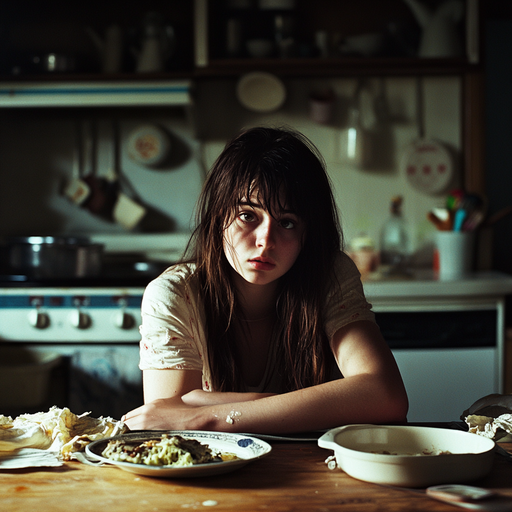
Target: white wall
36 155
363 195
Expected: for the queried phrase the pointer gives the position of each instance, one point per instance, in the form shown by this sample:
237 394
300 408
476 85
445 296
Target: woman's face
259 247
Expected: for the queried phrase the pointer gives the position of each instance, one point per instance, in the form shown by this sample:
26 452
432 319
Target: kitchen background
38 148
391 93
38 145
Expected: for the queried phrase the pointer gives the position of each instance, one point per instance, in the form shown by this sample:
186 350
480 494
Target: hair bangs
262 184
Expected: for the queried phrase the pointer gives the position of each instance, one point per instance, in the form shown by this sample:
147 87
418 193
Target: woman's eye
246 216
287 223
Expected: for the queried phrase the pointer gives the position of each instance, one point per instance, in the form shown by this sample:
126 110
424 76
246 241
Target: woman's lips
262 264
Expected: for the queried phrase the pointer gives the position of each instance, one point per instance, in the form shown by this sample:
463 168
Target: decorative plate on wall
428 166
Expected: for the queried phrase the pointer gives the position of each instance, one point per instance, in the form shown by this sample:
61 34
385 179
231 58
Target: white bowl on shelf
365 44
261 92
260 48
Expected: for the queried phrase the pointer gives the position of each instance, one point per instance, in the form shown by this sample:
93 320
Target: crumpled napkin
51 437
499 428
491 416
29 458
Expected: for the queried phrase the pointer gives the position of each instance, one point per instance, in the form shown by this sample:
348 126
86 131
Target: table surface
294 476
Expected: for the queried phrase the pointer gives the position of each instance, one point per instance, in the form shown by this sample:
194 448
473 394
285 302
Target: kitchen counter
424 291
423 283
294 476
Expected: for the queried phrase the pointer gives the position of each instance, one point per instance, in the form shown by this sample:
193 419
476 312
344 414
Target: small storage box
24 376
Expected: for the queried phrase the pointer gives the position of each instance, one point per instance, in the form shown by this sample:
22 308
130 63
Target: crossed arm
370 392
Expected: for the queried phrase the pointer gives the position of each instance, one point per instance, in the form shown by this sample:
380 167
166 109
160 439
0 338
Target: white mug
455 249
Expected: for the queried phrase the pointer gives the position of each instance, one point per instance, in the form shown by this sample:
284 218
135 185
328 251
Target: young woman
266 328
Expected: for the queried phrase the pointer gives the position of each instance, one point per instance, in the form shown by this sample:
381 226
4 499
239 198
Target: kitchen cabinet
199 40
28 35
320 34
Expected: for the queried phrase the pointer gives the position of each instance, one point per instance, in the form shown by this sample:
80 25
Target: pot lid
49 240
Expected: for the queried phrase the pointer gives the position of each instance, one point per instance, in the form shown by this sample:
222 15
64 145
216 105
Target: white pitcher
110 48
156 46
440 36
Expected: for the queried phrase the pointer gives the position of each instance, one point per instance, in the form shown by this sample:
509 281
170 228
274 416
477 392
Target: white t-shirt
173 320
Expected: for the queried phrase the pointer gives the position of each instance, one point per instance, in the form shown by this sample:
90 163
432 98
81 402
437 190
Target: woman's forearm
362 398
198 397
358 399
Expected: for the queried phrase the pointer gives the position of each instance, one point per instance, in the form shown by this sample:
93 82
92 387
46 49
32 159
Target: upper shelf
203 50
338 67
172 89
95 93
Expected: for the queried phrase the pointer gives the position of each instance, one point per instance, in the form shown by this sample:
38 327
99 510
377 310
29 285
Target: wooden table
293 477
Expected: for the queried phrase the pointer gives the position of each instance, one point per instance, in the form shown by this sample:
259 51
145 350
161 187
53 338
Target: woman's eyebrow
252 204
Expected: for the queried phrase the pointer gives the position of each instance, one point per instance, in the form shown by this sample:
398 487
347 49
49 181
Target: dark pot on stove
49 257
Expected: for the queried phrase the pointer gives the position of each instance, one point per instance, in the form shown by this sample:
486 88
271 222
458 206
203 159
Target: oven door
102 379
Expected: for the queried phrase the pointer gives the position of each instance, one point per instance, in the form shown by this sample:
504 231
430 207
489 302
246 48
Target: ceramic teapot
156 45
440 36
110 48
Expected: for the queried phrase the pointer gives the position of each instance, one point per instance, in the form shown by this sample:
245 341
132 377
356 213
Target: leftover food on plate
166 451
150 451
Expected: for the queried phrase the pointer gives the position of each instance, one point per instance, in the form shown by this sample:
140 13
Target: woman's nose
265 234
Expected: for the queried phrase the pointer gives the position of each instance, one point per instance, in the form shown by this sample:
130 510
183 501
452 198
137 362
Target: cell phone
454 493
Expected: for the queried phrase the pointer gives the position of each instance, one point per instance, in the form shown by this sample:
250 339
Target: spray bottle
394 252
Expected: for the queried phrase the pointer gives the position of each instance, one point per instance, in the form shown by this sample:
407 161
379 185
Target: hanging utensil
355 140
127 209
110 179
77 190
426 163
97 201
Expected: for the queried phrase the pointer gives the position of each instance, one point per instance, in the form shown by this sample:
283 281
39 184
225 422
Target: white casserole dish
393 455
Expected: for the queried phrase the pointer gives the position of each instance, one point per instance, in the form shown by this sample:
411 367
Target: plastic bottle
394 243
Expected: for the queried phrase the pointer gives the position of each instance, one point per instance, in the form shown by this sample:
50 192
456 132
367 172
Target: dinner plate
246 448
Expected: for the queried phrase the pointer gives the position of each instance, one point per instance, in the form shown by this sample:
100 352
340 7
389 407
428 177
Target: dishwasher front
449 355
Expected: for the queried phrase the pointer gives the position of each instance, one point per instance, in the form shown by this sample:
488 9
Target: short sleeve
172 330
345 302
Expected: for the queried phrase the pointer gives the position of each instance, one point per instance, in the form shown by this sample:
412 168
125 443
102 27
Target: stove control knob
39 319
80 320
124 320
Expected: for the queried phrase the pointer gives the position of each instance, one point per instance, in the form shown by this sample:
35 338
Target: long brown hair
269 161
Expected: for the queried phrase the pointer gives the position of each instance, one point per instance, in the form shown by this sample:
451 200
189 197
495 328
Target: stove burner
115 273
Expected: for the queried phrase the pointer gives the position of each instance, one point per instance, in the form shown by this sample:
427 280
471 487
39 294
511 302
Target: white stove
95 333
92 324
64 315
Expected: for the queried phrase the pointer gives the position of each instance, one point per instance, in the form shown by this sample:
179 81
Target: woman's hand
193 411
163 414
